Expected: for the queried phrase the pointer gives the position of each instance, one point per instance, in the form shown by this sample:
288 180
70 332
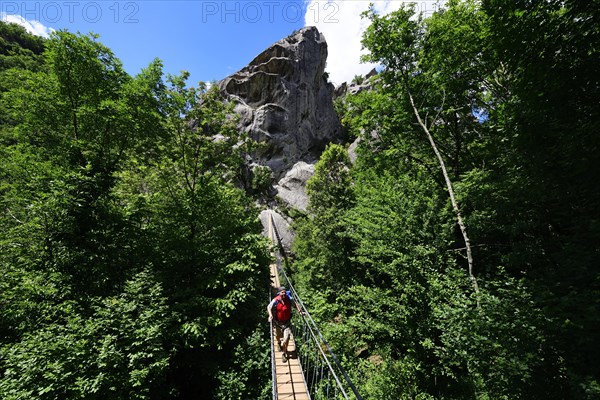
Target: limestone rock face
284 101
354 87
292 187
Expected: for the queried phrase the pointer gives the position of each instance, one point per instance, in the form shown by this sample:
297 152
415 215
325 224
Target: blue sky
210 39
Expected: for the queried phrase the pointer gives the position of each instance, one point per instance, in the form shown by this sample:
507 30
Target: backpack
282 308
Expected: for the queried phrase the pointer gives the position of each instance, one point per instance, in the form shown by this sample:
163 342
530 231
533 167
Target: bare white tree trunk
461 223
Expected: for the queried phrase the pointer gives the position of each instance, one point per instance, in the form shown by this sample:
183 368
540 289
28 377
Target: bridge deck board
289 376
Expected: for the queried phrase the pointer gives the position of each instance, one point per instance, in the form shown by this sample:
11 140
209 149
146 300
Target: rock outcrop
356 86
284 101
292 187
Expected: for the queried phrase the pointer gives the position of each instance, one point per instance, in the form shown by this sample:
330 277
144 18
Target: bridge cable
324 354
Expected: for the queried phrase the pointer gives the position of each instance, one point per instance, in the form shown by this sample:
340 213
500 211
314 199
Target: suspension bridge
311 371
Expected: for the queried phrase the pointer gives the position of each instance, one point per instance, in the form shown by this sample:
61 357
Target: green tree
404 38
118 351
550 50
322 245
131 266
208 253
423 333
19 49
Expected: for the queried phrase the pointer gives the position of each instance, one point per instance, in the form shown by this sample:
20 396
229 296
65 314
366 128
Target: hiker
282 317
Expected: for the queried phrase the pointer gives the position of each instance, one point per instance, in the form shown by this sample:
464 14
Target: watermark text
73 11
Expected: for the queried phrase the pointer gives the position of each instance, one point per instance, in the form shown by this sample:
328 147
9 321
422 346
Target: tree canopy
483 119
131 265
449 253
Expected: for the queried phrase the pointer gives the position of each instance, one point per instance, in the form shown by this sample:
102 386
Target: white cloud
340 22
32 26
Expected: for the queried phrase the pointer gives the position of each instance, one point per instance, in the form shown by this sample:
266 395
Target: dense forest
452 254
458 256
132 264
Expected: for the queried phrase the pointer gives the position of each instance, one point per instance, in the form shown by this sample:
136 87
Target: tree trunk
461 223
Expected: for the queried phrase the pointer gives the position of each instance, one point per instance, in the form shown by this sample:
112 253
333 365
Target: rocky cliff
284 101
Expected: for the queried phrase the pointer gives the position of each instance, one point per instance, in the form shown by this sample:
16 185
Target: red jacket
283 308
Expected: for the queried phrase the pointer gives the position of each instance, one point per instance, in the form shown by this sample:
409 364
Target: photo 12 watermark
51 12
223 11
251 11
270 11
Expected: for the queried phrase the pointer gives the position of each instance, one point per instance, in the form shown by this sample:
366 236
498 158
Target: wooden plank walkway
288 375
290 379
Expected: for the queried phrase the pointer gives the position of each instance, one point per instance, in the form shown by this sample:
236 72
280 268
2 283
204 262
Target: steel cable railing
273 369
325 377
